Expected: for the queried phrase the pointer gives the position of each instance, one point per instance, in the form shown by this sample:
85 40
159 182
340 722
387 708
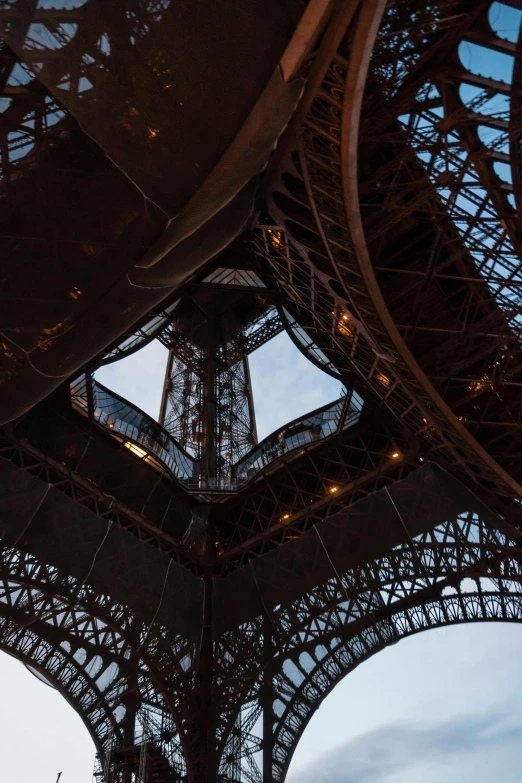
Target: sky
442 707
40 734
285 384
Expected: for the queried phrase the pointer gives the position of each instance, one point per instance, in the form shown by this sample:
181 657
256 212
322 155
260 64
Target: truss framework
392 236
136 681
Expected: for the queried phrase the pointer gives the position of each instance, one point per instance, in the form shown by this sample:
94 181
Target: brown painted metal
237 625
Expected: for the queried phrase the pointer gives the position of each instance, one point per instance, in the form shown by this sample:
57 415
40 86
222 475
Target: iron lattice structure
207 403
340 170
230 418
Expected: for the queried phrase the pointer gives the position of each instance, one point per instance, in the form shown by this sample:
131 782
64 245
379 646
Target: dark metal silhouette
337 170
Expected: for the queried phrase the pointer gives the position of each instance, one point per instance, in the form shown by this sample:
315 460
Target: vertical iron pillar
208 407
209 436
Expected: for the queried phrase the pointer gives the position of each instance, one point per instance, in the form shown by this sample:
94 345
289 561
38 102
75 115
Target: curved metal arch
369 589
351 111
56 636
51 612
54 683
321 220
455 126
346 656
64 688
359 609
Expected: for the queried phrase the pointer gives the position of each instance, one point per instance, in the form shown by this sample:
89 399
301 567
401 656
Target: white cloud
403 749
433 683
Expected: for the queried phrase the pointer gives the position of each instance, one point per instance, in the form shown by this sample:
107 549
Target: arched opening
139 377
82 650
284 395
287 385
441 705
40 733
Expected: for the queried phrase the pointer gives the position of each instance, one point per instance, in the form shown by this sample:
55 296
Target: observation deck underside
346 171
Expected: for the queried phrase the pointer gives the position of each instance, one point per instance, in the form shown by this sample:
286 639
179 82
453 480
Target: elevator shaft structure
207 403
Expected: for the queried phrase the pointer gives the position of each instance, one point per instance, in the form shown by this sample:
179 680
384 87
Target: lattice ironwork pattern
349 172
208 410
420 553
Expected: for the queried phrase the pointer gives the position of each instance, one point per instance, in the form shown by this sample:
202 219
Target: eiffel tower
210 174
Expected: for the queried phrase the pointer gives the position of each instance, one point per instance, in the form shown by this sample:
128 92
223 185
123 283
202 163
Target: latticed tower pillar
207 400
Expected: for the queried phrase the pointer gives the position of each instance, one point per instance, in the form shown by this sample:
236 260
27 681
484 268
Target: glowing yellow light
482 383
345 327
428 430
333 490
51 330
135 450
276 238
75 293
383 379
285 516
395 455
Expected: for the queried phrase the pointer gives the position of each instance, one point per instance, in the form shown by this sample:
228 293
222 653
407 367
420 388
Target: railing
139 432
313 427
306 345
141 337
152 443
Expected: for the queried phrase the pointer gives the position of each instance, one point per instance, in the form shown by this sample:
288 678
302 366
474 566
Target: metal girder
401 294
23 455
319 247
